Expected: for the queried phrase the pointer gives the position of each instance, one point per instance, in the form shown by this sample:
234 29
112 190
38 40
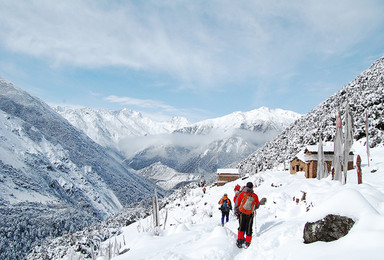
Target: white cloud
200 45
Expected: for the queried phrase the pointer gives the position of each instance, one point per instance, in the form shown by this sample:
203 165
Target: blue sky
198 59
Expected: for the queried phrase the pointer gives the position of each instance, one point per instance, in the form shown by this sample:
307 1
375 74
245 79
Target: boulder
330 228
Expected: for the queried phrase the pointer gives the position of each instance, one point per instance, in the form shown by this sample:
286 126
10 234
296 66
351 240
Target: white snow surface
193 230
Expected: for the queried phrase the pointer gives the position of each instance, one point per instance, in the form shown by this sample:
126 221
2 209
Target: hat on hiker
250 185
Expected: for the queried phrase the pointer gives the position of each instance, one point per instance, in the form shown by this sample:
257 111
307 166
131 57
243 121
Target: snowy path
185 241
192 234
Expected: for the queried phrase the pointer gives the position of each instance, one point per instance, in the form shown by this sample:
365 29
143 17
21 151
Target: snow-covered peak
261 119
178 122
109 127
263 114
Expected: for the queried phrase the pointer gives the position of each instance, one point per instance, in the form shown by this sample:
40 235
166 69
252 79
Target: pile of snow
193 231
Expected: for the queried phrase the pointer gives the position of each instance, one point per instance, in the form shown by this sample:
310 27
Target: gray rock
330 228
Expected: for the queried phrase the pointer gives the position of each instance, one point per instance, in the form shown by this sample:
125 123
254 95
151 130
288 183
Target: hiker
204 189
237 192
247 202
226 206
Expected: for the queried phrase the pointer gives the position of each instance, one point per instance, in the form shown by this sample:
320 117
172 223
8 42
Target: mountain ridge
248 120
107 127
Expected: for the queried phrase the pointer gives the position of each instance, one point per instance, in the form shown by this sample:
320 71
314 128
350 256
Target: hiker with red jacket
247 202
225 207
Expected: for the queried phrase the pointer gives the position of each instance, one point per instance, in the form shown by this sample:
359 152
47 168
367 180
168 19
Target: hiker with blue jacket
225 207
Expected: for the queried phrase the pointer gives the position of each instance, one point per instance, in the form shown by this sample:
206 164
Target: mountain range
191 151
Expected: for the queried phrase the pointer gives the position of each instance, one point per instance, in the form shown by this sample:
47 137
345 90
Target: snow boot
239 243
246 245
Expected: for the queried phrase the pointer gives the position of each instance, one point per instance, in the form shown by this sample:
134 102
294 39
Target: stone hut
306 160
226 175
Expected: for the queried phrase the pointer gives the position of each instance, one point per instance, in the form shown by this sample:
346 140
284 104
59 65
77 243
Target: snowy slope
192 229
33 128
52 176
365 94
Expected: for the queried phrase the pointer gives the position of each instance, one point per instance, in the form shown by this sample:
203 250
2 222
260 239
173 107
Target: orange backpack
248 203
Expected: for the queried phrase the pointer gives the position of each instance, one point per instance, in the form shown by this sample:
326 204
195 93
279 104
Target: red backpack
248 203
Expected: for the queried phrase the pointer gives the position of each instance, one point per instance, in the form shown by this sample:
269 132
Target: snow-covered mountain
208 145
261 120
53 177
176 145
365 95
108 127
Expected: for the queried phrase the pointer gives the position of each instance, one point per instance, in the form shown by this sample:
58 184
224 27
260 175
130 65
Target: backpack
225 206
247 204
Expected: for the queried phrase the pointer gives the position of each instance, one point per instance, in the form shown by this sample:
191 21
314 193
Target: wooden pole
359 173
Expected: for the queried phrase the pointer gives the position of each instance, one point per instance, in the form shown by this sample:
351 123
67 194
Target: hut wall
297 165
224 178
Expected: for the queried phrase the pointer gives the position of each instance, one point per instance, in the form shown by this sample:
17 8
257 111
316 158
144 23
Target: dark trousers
224 214
245 224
